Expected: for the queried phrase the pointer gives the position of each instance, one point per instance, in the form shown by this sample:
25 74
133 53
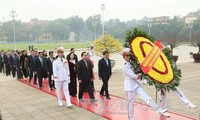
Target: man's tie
107 62
61 59
86 64
41 61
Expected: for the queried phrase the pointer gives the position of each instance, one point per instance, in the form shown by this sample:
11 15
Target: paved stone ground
21 102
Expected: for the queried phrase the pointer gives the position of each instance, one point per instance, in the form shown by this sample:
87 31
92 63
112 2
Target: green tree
93 23
76 25
59 29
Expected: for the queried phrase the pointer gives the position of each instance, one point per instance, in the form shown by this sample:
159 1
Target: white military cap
126 51
60 49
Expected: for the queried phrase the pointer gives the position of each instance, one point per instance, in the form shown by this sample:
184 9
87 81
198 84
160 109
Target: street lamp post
149 26
94 23
13 15
103 7
1 30
190 26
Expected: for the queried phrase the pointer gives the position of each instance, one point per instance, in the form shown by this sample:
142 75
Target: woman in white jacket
132 87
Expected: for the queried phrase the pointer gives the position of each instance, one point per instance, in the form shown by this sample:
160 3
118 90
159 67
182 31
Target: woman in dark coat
73 74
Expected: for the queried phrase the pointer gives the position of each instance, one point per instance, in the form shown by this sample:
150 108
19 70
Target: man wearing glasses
85 77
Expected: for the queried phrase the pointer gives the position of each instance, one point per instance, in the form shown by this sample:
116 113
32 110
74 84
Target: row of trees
60 29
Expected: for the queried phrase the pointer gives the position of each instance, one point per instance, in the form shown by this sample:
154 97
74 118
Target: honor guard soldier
178 92
132 87
62 77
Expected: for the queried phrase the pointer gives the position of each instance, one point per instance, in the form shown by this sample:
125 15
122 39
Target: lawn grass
45 46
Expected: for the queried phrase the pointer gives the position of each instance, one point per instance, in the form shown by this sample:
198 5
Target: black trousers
25 72
35 78
19 74
40 78
104 87
31 76
1 67
13 71
51 82
85 85
8 69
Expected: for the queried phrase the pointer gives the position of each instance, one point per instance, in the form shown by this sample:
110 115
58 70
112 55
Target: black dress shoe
81 100
93 100
102 94
85 91
108 98
54 87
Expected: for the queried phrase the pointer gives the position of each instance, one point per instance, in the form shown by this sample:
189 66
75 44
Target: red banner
151 57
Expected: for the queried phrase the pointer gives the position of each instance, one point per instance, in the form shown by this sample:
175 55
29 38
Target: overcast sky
122 9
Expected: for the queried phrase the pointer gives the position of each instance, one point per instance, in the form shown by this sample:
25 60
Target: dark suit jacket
104 69
1 58
7 60
84 73
31 62
13 61
49 65
17 61
38 66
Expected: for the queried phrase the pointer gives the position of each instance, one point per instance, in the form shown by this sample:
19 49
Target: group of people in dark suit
38 65
86 75
11 63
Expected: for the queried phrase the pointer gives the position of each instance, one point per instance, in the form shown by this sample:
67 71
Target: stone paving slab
21 102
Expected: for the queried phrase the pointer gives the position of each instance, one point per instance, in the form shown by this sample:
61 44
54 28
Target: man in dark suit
39 68
1 61
31 66
49 69
105 73
17 64
7 62
85 77
13 63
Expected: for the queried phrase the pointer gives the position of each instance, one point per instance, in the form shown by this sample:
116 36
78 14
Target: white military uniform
91 53
62 79
180 94
132 87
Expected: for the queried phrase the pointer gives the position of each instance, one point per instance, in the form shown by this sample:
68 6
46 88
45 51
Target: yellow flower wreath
161 71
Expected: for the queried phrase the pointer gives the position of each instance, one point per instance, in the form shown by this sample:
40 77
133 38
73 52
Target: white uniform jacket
130 78
61 70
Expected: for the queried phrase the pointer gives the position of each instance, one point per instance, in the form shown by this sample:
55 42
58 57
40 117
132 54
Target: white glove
143 81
